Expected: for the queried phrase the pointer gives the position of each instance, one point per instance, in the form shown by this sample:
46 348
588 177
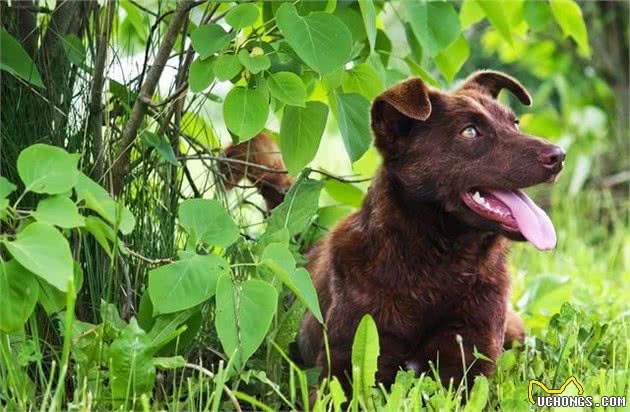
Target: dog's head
465 151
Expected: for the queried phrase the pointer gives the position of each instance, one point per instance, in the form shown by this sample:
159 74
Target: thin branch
121 164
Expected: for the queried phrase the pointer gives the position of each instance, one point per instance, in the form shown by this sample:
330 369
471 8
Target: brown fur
414 256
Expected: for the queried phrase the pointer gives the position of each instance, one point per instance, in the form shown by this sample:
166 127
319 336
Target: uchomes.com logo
563 396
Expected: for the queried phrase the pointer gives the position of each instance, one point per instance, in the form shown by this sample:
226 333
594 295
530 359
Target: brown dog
425 254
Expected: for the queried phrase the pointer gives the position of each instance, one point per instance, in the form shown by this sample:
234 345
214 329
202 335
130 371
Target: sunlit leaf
245 112
300 134
47 169
208 222
353 117
201 74
59 211
569 17
226 67
209 39
435 24
450 60
368 12
288 88
242 15
365 352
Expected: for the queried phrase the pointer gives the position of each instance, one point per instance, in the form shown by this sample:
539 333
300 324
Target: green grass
573 301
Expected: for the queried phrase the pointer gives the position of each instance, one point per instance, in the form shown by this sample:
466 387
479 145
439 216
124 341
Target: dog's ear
492 82
394 110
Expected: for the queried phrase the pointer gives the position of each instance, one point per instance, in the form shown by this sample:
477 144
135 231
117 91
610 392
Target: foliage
129 277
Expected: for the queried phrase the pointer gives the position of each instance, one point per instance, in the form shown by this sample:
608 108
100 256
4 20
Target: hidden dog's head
466 152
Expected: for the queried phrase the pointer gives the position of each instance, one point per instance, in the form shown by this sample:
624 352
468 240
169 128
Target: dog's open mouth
515 212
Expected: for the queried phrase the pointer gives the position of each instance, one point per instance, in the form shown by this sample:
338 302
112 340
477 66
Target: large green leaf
43 250
47 169
18 294
345 193
299 206
245 112
132 372
185 283
435 24
279 259
97 199
365 352
243 321
201 74
320 39
300 133
499 17
208 222
368 12
226 66
569 17
451 60
288 88
353 116
59 211
363 79
15 60
242 15
255 60
209 39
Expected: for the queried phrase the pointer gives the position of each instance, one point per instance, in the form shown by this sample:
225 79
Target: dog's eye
470 132
516 124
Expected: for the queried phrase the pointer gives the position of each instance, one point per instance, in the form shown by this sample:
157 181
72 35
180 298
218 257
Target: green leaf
353 116
320 39
102 232
420 72
365 352
97 199
18 294
160 143
254 61
353 20
74 49
278 258
15 60
6 187
209 39
364 80
345 193
478 395
242 15
245 112
208 222
470 13
301 131
537 14
201 74
47 169
132 372
226 67
498 17
256 307
172 362
185 283
43 250
53 300
451 60
299 206
369 19
288 88
569 17
59 211
435 24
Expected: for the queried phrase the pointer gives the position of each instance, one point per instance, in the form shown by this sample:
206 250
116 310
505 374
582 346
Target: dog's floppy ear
492 82
394 110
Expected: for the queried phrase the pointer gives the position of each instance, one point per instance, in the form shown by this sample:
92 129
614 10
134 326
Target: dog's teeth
478 199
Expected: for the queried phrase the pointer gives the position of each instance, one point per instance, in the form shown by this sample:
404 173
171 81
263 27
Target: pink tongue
532 221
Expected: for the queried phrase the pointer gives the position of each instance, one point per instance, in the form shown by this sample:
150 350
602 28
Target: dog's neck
389 212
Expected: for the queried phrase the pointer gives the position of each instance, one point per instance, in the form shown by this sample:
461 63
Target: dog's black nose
552 158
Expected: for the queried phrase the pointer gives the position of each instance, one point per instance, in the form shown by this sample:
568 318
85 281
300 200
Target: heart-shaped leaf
435 24
320 39
15 60
243 321
18 294
208 222
47 169
245 112
209 39
44 251
300 134
226 67
59 211
201 74
254 61
242 15
288 88
185 283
